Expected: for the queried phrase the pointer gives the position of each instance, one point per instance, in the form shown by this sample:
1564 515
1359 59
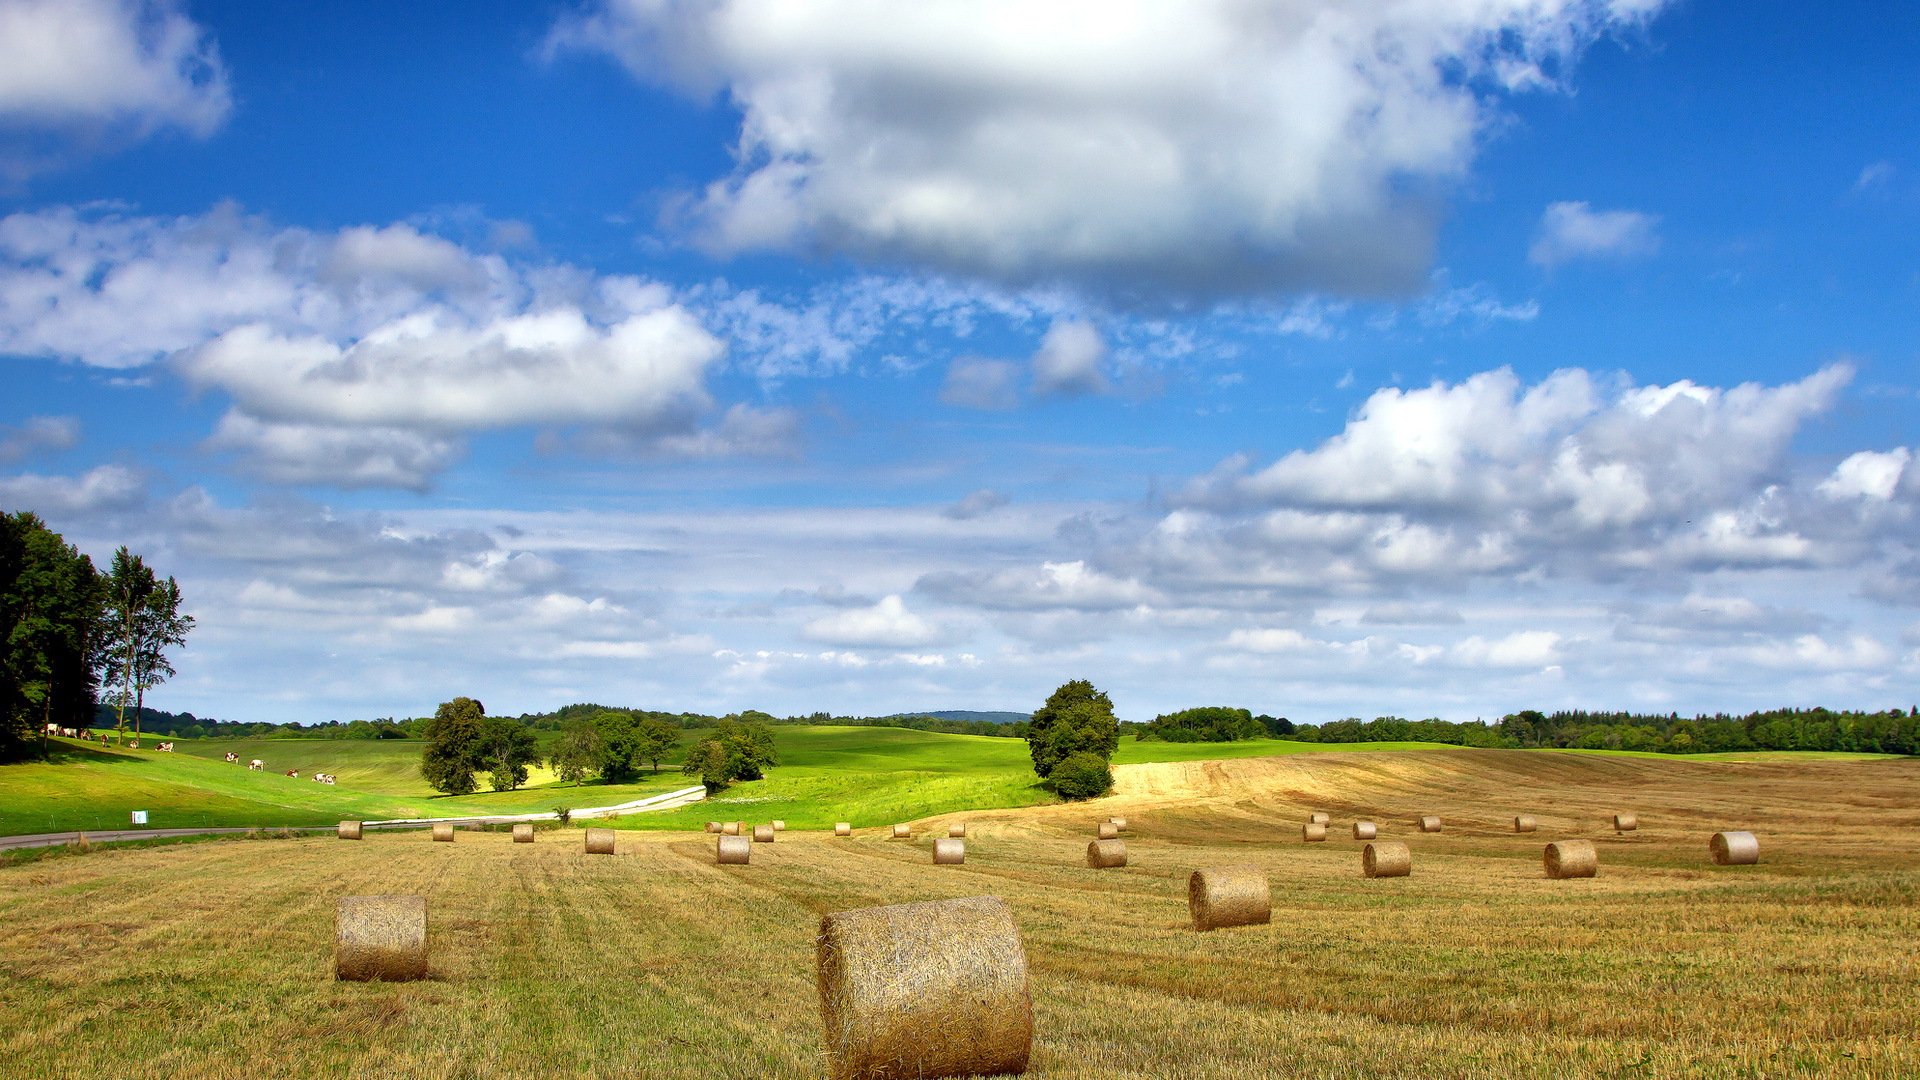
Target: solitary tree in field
1075 719
141 621
456 743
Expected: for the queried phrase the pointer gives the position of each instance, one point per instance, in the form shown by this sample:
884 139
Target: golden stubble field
215 959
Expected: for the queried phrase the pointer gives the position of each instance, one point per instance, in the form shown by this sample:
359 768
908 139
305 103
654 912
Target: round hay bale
1525 823
732 850
523 833
1386 858
443 832
949 851
763 834
1313 832
599 841
937 988
1107 830
1229 896
1106 854
1428 823
714 827
902 832
1625 822
1571 859
1734 849
779 825
349 830
1118 823
731 828
1319 817
957 829
843 828
380 937
1365 830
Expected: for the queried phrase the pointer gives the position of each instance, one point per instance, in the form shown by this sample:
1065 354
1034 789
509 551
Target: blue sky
1442 358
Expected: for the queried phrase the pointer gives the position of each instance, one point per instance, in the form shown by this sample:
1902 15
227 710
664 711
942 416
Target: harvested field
1477 966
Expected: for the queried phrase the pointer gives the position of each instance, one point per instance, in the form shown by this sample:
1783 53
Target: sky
1423 358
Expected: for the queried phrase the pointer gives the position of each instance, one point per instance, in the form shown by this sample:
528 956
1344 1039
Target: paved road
667 801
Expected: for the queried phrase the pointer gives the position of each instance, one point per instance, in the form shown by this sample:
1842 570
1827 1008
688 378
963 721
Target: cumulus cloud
1868 474
364 354
887 623
1053 586
37 433
977 383
1069 360
106 487
1198 148
1574 230
88 69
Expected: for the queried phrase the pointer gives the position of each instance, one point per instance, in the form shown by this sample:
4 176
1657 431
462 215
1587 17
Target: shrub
1081 776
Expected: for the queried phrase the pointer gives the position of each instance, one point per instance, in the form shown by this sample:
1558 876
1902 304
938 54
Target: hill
970 715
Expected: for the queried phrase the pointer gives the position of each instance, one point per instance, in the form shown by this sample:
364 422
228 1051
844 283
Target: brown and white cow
233 757
165 746
295 773
256 765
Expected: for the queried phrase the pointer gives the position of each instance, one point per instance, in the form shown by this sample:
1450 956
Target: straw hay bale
1625 822
1105 854
1571 859
599 841
1118 823
732 850
714 827
1386 858
779 825
523 833
349 830
949 851
1313 832
1525 823
1107 830
1229 896
380 937
731 828
443 832
763 834
1319 817
958 828
843 828
1734 849
1365 830
902 832
1428 823
932 989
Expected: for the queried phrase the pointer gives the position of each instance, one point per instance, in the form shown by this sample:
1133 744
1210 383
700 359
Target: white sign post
139 817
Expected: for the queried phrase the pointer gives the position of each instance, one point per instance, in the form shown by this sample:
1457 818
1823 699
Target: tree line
71 631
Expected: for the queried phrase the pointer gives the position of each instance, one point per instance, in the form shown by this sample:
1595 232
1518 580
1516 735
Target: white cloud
105 487
978 504
138 63
1205 146
38 433
1868 474
977 383
1069 360
1877 174
1073 586
1574 230
887 623
1522 649
337 455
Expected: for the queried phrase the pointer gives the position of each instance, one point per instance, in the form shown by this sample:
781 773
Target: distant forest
1894 731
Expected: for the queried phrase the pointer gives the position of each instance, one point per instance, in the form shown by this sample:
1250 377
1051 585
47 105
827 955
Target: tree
657 739
508 748
456 741
1081 775
50 604
620 746
140 622
1075 718
735 750
576 755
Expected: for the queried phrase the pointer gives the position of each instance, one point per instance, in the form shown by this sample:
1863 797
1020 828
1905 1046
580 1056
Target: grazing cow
330 778
295 773
133 744
70 732
53 729
166 746
233 757
256 765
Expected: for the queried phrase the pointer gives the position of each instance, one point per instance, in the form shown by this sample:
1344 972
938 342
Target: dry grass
380 937
1478 966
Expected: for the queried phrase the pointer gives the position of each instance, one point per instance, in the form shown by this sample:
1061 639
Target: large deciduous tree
140 622
50 603
1075 719
456 744
507 747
